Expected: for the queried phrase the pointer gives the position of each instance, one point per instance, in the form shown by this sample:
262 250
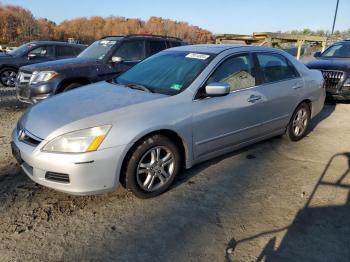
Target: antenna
335 16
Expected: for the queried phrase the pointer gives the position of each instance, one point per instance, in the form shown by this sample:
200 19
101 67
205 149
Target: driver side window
131 50
237 71
43 51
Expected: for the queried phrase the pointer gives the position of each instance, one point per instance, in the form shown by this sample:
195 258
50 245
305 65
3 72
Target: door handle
253 98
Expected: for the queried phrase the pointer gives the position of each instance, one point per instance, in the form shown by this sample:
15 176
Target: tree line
18 25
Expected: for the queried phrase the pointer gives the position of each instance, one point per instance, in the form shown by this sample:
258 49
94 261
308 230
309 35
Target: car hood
3 54
61 64
91 101
342 64
5 57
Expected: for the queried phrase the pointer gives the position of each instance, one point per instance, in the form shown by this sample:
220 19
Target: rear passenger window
275 67
237 71
131 51
65 51
156 46
174 43
77 50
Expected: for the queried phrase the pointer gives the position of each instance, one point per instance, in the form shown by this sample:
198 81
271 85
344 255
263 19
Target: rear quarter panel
313 85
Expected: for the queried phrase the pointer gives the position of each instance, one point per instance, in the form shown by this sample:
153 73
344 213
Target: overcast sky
219 16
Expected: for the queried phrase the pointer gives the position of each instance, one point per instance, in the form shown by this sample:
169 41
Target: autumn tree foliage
18 25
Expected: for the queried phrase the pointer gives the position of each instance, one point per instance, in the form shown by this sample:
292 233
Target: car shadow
327 110
318 233
186 175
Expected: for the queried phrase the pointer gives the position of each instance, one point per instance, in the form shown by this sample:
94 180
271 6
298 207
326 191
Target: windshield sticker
197 56
107 42
176 87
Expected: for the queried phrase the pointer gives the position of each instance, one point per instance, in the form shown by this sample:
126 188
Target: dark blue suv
32 53
102 60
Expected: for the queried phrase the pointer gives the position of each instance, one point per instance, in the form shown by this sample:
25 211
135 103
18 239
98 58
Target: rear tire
8 76
299 123
152 166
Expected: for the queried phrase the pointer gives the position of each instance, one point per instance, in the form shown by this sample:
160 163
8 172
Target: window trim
289 63
197 97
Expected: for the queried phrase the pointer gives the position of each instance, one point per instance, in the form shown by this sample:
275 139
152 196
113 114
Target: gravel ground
256 204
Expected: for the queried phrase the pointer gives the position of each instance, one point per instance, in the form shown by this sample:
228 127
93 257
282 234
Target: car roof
120 37
216 49
54 43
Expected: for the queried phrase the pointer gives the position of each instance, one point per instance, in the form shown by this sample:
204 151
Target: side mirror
217 89
317 54
31 56
116 59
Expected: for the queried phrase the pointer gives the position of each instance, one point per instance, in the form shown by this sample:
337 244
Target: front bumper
34 93
339 95
89 173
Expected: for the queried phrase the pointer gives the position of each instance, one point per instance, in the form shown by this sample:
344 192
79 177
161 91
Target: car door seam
225 135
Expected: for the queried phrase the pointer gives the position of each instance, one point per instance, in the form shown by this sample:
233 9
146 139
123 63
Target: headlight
81 141
347 82
43 76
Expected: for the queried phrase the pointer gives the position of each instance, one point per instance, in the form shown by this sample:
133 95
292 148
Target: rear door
63 51
281 88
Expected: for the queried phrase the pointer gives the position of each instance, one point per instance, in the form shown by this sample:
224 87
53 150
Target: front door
41 54
222 122
131 52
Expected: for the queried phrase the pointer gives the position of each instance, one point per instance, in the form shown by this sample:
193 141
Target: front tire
8 77
152 166
299 123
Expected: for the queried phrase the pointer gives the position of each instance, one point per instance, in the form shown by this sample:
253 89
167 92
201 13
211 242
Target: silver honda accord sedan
175 109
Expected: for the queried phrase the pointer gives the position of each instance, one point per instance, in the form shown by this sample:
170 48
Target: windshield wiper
139 87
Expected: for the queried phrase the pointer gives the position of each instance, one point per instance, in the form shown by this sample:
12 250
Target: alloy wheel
300 122
8 77
155 168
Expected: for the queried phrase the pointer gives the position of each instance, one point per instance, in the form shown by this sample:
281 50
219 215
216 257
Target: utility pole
335 16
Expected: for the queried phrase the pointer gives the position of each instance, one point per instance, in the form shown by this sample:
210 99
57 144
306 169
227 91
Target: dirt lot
267 202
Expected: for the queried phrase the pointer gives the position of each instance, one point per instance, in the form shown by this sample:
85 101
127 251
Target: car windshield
166 72
22 49
98 49
338 50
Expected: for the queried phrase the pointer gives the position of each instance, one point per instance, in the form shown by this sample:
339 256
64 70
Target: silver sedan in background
175 109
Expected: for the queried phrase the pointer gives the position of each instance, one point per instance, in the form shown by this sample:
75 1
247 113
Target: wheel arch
66 82
9 66
169 133
308 102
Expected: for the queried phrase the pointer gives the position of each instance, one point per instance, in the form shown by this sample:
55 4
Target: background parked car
31 53
334 64
102 60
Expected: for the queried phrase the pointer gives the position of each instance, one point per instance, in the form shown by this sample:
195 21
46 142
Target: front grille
332 78
22 84
28 138
57 177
